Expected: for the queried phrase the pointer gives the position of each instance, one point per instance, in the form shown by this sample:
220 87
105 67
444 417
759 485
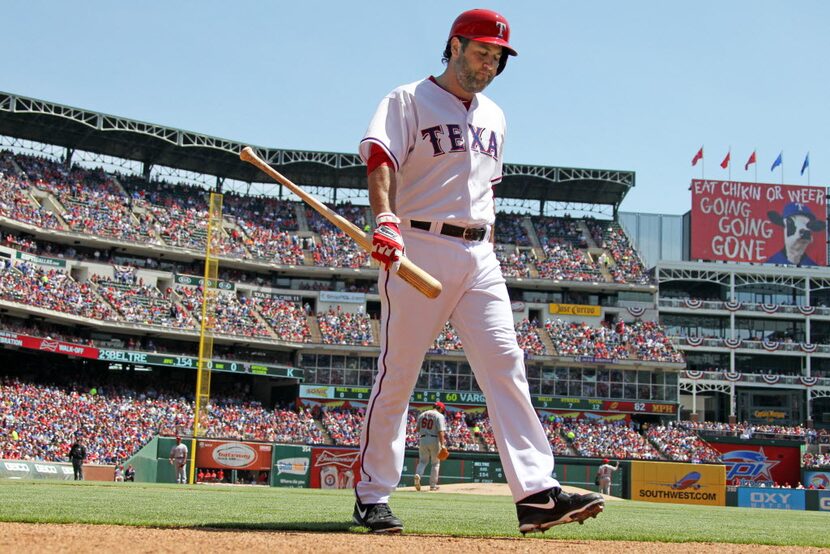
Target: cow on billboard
799 224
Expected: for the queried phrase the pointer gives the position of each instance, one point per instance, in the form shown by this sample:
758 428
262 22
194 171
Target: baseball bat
425 283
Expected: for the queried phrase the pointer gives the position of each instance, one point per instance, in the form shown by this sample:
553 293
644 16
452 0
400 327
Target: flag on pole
698 157
750 161
778 161
725 163
806 163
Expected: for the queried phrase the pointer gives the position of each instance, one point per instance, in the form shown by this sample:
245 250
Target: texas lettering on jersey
456 141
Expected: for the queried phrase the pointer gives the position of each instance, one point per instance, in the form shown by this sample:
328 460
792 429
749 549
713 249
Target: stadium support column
733 418
210 291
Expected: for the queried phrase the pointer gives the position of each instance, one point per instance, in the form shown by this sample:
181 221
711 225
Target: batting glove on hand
387 242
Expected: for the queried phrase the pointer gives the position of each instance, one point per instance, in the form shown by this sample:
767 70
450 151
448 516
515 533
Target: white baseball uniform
604 474
446 159
178 457
430 423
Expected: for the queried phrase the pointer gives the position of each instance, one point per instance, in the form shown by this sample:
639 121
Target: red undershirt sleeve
377 158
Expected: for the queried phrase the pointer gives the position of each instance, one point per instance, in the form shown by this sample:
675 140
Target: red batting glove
387 242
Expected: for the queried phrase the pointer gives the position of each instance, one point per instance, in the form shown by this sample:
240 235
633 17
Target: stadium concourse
102 251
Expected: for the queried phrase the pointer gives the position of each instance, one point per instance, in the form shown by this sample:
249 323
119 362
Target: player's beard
469 79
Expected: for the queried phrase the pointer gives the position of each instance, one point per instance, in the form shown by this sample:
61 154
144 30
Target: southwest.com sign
678 483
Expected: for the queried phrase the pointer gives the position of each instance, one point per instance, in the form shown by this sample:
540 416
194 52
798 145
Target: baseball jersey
446 158
430 423
179 453
605 471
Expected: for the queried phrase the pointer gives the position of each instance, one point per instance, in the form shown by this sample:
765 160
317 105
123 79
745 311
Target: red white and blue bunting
694 373
809 381
733 305
733 343
807 310
771 379
694 303
771 345
636 311
808 347
694 341
732 375
770 308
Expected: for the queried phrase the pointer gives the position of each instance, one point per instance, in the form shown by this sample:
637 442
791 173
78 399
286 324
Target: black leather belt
473 234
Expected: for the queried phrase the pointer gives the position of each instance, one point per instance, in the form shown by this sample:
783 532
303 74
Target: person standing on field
434 151
432 426
178 457
77 455
604 476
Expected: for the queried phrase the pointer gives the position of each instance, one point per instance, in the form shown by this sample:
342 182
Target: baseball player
432 427
178 457
604 476
434 150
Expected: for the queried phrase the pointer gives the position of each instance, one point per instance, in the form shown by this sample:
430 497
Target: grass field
139 504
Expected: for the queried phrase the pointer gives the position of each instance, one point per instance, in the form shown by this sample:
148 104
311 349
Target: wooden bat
425 283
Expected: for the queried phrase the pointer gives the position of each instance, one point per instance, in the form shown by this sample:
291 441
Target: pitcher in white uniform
434 150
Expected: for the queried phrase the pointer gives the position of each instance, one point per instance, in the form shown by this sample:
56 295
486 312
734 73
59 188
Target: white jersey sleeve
447 157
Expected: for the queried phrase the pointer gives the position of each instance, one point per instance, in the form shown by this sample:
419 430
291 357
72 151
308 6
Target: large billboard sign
233 455
758 222
752 464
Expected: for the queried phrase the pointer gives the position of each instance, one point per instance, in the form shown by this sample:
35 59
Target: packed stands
144 304
681 445
558 442
628 267
341 327
641 340
336 249
232 317
566 263
286 318
600 439
343 426
115 422
527 334
50 289
515 263
510 229
817 460
16 201
447 340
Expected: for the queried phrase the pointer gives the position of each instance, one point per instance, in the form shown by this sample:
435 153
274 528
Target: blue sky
605 84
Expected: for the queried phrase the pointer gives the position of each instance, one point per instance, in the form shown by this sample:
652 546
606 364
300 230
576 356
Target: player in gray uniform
432 426
178 457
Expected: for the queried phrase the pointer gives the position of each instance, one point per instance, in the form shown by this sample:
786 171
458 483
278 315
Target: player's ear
455 46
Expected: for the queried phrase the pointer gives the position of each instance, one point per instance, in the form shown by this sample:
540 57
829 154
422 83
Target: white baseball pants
474 299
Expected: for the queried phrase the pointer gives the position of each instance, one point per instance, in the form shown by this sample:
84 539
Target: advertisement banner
342 297
194 281
575 309
334 468
292 464
759 223
40 260
819 479
749 464
215 454
20 469
824 501
48 345
678 483
772 499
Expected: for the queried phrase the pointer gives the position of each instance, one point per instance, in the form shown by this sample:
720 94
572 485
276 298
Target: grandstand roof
99 133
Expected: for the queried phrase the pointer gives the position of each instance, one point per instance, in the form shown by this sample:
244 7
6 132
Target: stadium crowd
681 445
341 327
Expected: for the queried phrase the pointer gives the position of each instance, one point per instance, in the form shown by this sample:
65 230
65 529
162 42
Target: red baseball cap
605 461
440 404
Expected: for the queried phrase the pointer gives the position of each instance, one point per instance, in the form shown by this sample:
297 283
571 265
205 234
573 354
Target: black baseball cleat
543 510
377 518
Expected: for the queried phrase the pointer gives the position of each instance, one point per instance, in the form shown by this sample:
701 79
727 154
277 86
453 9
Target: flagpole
729 165
755 152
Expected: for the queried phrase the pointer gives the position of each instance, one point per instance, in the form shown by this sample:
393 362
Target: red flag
698 157
750 161
725 163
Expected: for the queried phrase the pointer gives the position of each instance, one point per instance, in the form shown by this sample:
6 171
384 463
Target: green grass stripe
162 505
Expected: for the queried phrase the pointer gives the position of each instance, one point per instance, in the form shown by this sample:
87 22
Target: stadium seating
681 445
600 439
341 327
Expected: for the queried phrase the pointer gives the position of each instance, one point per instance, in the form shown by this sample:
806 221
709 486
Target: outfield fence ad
678 483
